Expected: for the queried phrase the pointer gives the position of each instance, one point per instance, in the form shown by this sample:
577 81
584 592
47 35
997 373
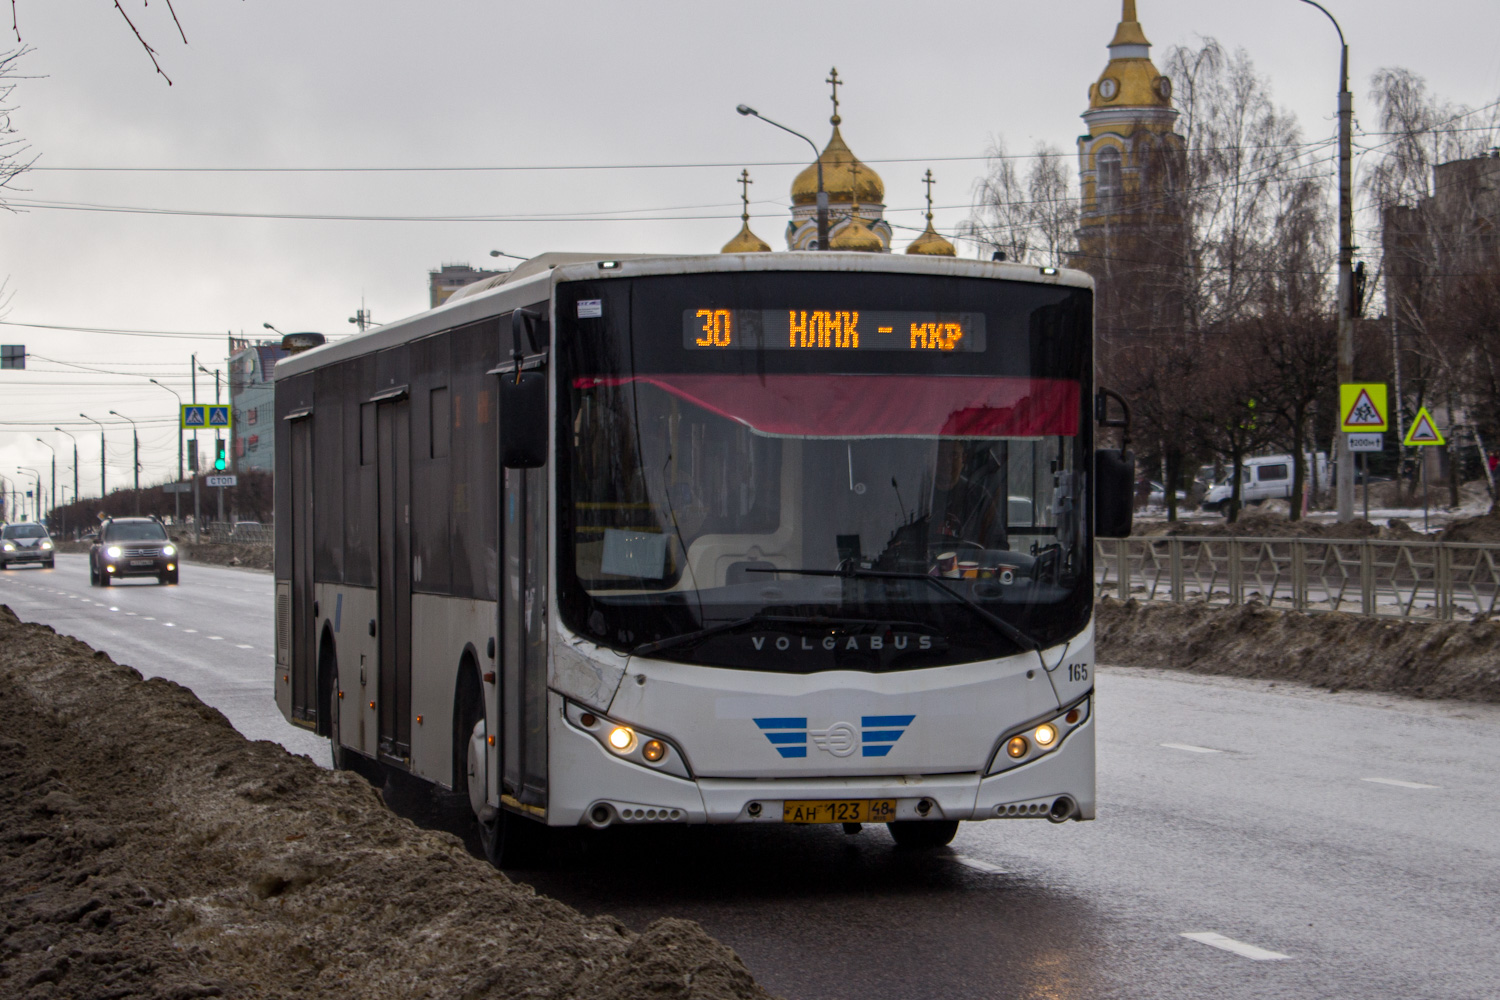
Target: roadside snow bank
147 848
1327 649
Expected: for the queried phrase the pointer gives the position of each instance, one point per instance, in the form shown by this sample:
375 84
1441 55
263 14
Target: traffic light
219 462
193 453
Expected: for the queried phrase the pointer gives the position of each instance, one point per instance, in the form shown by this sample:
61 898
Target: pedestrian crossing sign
204 416
1362 407
1424 430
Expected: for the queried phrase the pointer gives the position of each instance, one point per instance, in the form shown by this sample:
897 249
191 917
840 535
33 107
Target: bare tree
1032 217
15 154
15 25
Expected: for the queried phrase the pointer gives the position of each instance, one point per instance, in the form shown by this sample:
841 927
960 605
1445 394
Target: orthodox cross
833 78
745 183
929 182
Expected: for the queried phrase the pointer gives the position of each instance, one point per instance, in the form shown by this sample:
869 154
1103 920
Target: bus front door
393 437
303 621
523 604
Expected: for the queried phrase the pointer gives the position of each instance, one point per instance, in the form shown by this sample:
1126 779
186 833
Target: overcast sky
478 83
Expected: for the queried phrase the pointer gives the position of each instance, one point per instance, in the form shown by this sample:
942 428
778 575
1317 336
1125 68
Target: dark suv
132 546
25 543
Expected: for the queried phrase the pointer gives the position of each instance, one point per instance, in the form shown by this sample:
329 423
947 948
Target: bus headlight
113 552
628 743
1037 739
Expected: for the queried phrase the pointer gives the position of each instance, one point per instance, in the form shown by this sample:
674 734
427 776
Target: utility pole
197 461
75 461
1345 303
216 435
102 491
177 494
52 493
136 438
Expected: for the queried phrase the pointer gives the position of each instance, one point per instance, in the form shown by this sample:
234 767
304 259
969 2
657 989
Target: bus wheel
920 834
329 678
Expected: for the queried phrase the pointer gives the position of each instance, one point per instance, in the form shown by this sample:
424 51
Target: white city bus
764 538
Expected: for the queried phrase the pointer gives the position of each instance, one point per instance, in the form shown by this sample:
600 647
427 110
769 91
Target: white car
22 543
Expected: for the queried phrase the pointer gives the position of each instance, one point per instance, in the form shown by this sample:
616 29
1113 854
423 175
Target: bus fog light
1045 735
1072 717
654 750
1017 746
588 720
621 739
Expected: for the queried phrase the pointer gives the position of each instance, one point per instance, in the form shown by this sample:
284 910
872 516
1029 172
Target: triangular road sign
1424 430
1363 413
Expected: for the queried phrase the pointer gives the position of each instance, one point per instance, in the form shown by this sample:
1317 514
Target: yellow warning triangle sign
1363 413
1424 430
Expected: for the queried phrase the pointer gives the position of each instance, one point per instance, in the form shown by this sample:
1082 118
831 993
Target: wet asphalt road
1358 836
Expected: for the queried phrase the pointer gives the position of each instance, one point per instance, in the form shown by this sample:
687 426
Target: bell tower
1131 163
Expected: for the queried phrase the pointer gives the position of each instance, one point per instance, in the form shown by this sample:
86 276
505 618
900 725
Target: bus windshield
749 480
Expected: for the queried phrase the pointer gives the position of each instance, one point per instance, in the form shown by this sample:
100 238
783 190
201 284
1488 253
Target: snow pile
147 848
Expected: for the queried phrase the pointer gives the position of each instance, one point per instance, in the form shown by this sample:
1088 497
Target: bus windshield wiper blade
1000 625
647 648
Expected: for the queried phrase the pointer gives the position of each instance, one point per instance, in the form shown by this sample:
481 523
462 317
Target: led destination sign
830 330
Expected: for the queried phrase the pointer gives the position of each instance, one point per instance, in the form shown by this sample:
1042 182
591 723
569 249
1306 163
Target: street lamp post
36 489
52 492
75 461
102 491
745 109
177 494
1345 303
136 439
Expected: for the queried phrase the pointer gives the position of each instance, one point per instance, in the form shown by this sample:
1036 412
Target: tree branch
149 50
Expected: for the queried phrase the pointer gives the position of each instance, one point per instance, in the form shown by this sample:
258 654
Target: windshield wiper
1000 625
658 645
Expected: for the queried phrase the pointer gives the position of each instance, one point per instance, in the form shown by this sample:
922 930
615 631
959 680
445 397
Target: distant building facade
450 278
252 368
1451 236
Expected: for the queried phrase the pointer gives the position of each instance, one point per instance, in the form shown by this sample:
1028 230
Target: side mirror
523 421
1114 483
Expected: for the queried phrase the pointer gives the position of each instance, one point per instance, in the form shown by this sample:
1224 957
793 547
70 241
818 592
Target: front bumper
590 786
27 556
123 567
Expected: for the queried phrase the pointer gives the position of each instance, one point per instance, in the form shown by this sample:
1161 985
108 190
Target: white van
1268 477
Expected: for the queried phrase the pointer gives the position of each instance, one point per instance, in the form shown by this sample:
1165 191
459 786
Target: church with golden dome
1131 166
856 204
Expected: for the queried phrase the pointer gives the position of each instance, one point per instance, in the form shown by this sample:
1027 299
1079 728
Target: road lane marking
1399 783
148 618
170 624
978 866
1190 748
190 630
241 646
216 638
114 609
1215 940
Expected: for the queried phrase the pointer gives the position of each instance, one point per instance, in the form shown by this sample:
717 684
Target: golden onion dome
857 236
930 244
746 242
840 171
1131 79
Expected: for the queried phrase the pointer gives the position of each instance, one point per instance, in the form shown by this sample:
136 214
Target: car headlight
46 545
169 550
9 547
113 552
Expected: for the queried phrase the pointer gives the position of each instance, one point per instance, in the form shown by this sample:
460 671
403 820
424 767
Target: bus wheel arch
329 722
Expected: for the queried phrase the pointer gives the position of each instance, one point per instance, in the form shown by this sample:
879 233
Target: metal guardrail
1389 579
240 534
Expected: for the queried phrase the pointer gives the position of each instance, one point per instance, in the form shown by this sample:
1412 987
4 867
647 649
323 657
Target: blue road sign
218 416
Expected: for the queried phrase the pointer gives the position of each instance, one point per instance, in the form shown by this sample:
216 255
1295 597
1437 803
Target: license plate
142 562
839 811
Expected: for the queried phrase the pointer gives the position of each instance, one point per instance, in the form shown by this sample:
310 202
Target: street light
268 326
75 462
37 493
52 494
177 494
102 491
746 109
136 437
502 253
1345 305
